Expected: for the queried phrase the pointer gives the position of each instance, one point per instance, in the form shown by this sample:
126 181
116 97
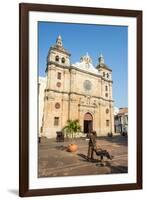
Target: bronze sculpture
93 148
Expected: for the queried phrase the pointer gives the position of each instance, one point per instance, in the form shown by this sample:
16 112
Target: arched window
107 111
103 74
56 121
107 122
59 75
57 58
106 94
107 75
63 60
106 88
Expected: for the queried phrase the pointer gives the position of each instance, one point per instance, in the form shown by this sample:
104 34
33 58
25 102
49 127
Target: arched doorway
88 123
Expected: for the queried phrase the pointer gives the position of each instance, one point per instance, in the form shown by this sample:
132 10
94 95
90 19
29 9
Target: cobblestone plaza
54 160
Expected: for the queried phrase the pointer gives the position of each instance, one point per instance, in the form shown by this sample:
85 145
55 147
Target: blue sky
111 41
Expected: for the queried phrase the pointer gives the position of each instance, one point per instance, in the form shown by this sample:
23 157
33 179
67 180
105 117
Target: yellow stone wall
75 101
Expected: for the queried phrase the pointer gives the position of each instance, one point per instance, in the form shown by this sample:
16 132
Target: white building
121 121
41 89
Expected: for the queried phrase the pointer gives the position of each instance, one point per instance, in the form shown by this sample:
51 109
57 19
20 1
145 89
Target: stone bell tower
58 86
106 90
58 60
106 74
103 69
58 54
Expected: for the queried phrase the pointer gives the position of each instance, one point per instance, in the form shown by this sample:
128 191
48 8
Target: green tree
72 128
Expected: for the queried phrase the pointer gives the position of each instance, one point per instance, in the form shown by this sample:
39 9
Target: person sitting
93 148
91 145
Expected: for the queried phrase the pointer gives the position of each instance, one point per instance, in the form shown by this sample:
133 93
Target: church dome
87 59
86 64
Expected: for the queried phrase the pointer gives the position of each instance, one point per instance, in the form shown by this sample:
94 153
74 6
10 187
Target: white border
57 182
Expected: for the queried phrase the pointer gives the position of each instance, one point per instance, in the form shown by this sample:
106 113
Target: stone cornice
57 64
60 50
75 68
86 72
69 93
104 67
90 106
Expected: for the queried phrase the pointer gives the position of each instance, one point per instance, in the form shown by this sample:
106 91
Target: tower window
59 75
107 122
63 60
56 121
57 58
106 88
103 74
107 111
107 75
106 94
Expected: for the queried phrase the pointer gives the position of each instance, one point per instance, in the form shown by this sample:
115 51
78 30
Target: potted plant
71 129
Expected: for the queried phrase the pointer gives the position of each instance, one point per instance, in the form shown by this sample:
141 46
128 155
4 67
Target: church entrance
88 123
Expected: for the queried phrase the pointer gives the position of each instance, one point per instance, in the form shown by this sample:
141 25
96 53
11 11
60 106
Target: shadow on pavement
85 158
113 169
62 148
118 139
119 169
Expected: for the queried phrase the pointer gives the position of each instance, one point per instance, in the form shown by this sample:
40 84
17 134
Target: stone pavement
54 160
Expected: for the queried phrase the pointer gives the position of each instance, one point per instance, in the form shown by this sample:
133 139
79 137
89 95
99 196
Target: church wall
53 79
73 99
70 109
66 80
65 109
51 112
78 79
73 109
51 76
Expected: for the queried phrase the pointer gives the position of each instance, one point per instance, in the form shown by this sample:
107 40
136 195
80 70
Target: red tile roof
123 111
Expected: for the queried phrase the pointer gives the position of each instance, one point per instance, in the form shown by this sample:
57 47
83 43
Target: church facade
76 91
